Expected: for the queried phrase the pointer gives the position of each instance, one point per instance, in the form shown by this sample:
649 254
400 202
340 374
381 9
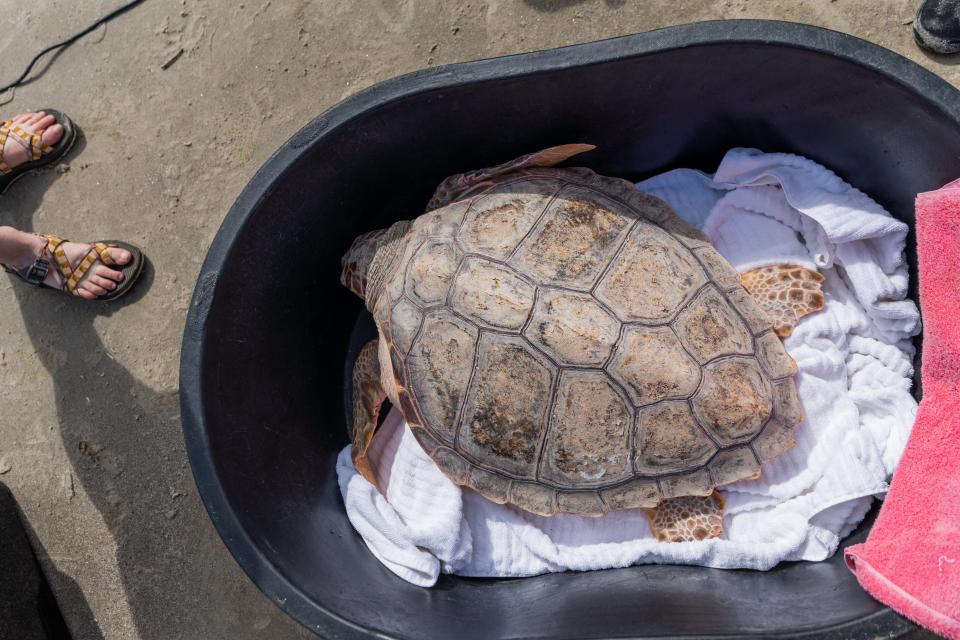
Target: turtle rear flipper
786 292
368 397
687 518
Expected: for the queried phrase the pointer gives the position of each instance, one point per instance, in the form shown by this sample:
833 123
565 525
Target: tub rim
295 603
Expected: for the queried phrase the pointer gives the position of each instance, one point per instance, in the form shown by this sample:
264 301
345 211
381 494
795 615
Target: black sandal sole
61 149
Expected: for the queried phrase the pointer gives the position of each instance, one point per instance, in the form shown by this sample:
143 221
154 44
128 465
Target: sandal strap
36 147
32 142
55 248
36 272
68 272
105 258
4 133
80 270
97 251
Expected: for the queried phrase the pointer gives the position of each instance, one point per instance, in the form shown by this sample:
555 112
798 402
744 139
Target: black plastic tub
267 337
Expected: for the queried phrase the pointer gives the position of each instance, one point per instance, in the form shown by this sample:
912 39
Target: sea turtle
560 341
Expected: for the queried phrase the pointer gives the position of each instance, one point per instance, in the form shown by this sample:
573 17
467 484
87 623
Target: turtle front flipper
457 186
687 518
368 397
786 292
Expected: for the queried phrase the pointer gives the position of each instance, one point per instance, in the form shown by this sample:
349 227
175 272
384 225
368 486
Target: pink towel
911 559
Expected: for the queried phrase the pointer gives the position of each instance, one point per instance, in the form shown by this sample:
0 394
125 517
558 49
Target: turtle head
370 259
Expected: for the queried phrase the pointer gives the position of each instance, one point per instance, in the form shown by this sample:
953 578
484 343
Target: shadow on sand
117 433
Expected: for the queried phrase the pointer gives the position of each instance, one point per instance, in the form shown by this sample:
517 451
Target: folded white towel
854 360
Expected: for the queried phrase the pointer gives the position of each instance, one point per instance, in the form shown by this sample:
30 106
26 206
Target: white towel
854 360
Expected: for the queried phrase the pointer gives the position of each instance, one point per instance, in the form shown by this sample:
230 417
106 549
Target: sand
181 101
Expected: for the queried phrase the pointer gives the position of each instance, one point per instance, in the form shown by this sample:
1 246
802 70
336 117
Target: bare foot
97 281
15 153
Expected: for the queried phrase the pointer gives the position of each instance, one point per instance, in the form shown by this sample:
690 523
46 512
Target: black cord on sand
65 43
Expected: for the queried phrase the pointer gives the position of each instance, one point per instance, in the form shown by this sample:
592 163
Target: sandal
71 274
40 153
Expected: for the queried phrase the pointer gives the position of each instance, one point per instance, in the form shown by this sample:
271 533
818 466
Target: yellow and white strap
101 249
73 274
32 142
4 133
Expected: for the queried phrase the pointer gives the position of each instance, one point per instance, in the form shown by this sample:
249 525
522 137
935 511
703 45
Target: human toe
52 135
34 118
46 121
102 282
92 287
108 273
120 256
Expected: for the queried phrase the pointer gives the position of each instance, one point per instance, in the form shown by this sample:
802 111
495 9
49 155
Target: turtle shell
562 342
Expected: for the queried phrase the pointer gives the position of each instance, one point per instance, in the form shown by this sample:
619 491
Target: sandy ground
89 417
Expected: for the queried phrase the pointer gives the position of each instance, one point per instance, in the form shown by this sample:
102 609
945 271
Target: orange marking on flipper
687 518
783 292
